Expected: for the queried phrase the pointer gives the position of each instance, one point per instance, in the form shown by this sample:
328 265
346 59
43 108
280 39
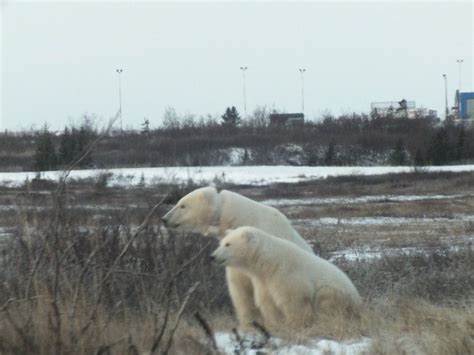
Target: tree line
188 140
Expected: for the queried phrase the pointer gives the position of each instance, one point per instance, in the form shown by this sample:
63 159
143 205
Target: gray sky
59 58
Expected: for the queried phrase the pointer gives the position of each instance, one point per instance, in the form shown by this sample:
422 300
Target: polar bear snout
169 219
217 258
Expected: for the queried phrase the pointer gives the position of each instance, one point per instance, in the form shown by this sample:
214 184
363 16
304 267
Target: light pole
302 70
119 71
446 95
244 69
460 66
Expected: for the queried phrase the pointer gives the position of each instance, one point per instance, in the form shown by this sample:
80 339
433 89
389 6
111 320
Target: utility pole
446 95
244 69
460 67
302 70
119 71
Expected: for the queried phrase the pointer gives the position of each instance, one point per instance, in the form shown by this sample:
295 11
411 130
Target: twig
262 330
182 268
105 349
157 341
207 329
142 226
14 300
239 340
62 183
180 313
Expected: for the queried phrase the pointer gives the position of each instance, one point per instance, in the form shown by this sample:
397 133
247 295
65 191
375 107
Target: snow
379 221
357 200
355 254
251 175
228 345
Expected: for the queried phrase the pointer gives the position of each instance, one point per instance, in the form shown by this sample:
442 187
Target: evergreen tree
330 157
83 138
146 126
461 143
439 151
231 117
45 155
246 157
419 158
398 156
67 148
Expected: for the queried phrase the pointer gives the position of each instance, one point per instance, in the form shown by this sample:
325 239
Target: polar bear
297 284
211 213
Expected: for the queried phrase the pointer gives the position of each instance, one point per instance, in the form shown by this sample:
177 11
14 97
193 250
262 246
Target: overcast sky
59 58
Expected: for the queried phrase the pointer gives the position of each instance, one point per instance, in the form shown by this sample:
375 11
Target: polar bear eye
182 206
227 244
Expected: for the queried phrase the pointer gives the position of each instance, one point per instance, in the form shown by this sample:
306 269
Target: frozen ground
251 175
227 343
357 200
380 221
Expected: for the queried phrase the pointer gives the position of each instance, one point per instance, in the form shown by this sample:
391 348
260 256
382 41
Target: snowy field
397 229
243 175
227 343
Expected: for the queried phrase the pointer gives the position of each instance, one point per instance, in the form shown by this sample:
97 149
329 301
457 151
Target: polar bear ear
209 195
249 237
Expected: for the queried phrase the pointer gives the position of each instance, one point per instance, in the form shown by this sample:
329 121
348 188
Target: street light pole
446 95
244 69
302 70
119 71
460 65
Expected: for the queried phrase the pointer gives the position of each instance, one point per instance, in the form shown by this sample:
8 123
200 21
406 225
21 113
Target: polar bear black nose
165 221
212 257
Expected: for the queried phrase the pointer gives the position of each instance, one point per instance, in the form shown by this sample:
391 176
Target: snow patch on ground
379 221
227 343
251 175
357 200
355 254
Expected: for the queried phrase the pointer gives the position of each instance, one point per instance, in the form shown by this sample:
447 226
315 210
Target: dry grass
82 280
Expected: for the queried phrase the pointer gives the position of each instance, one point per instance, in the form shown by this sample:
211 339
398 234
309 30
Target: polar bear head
237 248
195 212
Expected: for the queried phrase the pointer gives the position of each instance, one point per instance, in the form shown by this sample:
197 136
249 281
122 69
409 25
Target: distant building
399 109
464 105
286 119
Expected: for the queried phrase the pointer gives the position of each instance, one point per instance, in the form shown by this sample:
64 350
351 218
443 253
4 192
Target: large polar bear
297 284
209 212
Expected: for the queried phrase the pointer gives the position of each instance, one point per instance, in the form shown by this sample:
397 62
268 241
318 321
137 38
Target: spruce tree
398 156
45 154
330 156
231 117
439 151
146 126
67 148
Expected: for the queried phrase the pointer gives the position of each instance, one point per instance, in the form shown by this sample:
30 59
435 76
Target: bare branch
180 313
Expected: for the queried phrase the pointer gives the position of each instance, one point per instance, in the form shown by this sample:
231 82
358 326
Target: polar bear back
237 211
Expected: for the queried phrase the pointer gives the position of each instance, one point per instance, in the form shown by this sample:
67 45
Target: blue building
464 105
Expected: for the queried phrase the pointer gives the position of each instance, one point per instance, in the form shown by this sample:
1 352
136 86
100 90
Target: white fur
290 284
211 213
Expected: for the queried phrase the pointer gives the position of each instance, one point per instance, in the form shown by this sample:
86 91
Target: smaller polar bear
299 284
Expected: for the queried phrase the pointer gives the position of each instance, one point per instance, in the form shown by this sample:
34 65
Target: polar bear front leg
272 316
242 296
